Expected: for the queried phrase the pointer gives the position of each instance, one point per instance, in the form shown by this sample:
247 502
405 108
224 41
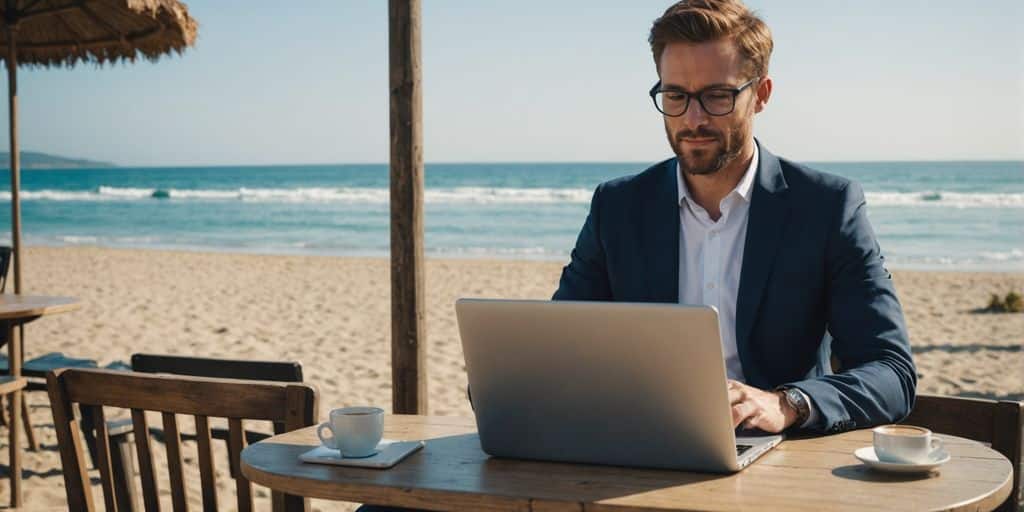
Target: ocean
927 215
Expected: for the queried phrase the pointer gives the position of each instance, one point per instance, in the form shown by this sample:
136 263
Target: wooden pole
14 354
408 331
12 97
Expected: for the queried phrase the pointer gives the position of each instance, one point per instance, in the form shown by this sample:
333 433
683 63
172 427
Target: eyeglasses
716 101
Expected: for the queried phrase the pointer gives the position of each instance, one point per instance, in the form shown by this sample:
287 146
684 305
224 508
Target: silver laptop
616 383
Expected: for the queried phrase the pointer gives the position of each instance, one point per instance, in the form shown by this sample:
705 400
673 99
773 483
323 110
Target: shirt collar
742 188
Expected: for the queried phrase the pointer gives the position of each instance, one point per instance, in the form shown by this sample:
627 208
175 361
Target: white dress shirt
711 257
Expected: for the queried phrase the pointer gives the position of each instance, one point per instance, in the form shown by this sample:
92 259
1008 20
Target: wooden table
452 473
16 311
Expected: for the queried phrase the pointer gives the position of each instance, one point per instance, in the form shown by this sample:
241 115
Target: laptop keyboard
742 448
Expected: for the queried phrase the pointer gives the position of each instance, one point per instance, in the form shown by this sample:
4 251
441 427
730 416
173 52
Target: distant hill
33 160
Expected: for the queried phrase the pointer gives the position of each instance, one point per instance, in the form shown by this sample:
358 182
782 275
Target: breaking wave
456 195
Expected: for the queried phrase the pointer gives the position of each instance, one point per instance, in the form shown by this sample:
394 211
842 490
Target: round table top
16 307
801 474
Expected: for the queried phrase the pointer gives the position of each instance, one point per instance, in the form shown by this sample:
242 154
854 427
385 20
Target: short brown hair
700 21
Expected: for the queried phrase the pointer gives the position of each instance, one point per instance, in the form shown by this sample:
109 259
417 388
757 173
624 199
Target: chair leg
14 447
288 502
123 466
30 436
3 411
281 502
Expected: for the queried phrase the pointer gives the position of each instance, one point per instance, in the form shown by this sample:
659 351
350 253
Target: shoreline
1012 269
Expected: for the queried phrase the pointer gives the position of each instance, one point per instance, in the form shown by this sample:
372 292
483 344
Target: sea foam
469 195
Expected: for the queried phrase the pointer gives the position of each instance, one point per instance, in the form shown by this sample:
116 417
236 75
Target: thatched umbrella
65 32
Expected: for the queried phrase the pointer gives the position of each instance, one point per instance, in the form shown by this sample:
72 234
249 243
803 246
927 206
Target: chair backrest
221 368
293 404
999 423
5 265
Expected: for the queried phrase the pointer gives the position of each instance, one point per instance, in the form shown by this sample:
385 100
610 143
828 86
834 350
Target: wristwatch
798 402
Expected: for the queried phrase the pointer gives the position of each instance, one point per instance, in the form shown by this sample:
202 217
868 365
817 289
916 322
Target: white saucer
867 456
388 453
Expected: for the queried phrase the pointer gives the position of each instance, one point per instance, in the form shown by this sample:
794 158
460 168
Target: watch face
797 402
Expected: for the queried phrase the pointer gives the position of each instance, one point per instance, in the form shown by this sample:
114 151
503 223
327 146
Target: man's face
704 143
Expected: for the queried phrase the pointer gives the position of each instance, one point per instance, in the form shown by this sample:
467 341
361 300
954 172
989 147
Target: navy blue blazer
811 268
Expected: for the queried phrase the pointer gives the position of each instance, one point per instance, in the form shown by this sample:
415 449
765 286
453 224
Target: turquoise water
953 215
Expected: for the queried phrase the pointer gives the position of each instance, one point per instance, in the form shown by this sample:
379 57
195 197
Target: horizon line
498 162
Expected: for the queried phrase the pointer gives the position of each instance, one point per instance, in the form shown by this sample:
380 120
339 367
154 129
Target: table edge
43 309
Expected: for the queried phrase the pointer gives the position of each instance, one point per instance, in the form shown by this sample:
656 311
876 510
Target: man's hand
755 408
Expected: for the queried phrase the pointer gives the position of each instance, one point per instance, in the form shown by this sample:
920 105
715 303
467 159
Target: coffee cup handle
330 442
936 445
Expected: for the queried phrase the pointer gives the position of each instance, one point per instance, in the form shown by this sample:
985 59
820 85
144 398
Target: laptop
625 384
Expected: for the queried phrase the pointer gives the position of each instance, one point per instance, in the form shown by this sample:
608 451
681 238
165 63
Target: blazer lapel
769 210
662 246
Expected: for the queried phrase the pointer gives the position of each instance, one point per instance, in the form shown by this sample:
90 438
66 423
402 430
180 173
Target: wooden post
12 97
14 354
408 332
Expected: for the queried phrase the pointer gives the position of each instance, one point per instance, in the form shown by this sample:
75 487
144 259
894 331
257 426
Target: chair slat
236 442
144 448
123 463
206 468
99 425
304 408
72 456
172 439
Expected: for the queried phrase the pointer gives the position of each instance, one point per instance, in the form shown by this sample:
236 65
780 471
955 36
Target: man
785 253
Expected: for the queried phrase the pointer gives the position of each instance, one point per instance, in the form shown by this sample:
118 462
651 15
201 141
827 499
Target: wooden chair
292 405
6 253
1000 424
119 431
34 370
275 371
8 386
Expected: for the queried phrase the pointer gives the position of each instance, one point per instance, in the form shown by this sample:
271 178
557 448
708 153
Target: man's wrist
789 413
796 407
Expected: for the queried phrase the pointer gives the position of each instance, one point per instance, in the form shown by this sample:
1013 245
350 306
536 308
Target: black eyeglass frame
699 95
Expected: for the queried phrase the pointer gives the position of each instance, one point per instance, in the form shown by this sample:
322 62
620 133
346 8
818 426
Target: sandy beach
333 315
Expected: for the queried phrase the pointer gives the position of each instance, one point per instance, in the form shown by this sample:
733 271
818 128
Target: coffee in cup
905 444
355 431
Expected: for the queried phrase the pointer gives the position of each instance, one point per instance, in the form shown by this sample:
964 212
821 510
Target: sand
333 315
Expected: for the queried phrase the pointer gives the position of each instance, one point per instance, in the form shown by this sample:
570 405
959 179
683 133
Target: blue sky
272 82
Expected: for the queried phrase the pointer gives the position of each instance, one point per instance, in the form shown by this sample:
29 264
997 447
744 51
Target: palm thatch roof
64 32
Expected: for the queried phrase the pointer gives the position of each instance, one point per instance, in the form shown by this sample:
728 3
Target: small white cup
905 444
356 431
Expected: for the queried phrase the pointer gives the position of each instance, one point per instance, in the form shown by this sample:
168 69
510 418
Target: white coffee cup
905 444
356 431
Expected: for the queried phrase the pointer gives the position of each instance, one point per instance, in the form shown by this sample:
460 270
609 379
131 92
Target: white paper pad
389 453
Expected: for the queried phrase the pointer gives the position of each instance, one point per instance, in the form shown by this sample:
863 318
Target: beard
705 161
